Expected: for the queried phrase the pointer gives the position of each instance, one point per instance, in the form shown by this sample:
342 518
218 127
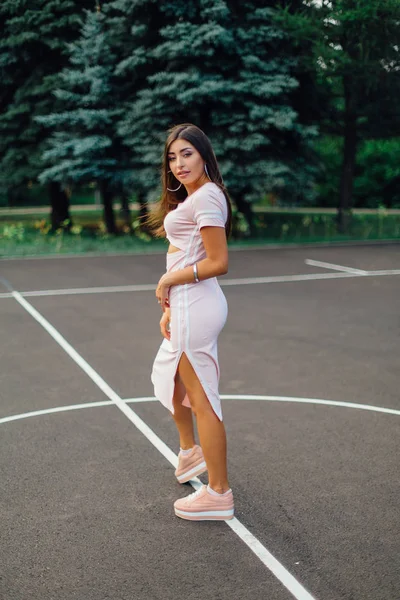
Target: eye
187 154
171 158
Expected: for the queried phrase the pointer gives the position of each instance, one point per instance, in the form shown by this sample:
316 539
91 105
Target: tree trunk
348 165
245 208
59 203
108 211
125 211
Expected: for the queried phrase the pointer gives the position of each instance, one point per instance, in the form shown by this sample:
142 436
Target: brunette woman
195 216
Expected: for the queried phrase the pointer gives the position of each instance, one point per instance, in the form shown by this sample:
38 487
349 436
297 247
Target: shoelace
194 495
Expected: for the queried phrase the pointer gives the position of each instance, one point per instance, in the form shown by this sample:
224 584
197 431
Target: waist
181 259
195 292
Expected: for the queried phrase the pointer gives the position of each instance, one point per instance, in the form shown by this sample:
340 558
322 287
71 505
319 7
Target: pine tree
132 31
219 66
84 145
32 51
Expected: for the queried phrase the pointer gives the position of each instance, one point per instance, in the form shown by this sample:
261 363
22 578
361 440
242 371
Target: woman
195 215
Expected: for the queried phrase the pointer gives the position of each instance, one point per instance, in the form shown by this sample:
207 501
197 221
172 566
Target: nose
179 162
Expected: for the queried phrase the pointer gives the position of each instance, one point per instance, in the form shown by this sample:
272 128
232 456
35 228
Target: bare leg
183 416
211 429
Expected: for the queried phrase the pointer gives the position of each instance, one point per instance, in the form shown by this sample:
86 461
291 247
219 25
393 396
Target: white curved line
370 407
275 567
47 411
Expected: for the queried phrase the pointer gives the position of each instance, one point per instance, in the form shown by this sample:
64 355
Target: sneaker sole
197 470
217 515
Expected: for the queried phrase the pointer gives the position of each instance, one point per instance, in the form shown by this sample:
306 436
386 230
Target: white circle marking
48 411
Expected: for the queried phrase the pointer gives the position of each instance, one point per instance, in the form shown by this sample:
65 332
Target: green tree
32 51
221 65
84 145
132 31
353 54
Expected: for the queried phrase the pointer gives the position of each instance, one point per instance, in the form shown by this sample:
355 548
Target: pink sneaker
203 506
191 465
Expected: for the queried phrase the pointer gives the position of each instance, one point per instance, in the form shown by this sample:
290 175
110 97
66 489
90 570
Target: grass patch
30 237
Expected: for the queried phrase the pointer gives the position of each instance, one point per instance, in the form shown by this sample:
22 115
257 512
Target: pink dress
198 310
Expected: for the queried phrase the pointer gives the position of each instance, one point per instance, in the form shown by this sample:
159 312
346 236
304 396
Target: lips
182 173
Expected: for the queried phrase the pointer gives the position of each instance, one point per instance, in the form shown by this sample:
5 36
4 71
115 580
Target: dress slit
198 310
207 392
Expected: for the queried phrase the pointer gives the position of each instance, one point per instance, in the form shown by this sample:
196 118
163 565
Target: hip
203 296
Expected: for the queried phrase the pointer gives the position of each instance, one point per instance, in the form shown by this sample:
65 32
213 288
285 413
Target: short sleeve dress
198 310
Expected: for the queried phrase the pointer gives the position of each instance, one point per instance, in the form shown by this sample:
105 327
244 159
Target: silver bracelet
196 277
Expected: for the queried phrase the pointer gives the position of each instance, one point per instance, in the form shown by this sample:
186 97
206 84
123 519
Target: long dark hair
170 200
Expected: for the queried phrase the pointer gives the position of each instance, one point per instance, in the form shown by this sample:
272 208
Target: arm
215 264
209 214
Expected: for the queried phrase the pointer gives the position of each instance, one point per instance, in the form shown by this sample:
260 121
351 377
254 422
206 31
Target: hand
164 323
162 292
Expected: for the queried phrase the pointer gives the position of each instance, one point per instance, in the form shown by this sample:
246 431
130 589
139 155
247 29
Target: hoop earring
178 188
206 170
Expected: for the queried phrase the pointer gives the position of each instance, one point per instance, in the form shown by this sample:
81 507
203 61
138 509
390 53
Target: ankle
189 446
219 489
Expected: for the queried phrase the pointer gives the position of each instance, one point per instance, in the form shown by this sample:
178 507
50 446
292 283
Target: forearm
206 269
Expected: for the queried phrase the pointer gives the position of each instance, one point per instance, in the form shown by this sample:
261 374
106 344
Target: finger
165 333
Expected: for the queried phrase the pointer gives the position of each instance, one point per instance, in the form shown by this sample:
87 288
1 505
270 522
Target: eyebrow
183 150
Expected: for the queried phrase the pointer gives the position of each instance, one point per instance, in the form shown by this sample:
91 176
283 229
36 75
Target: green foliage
88 96
32 51
330 150
286 226
349 49
347 38
84 145
377 178
22 239
220 66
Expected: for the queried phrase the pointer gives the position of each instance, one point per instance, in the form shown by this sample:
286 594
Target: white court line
222 282
325 265
368 407
144 399
385 272
282 574
58 409
92 290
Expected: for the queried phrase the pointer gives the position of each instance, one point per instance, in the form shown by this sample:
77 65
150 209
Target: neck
193 187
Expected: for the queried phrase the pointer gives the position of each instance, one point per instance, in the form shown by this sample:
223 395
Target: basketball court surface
309 358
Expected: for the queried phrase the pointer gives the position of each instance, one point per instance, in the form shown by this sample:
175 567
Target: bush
303 226
23 239
377 178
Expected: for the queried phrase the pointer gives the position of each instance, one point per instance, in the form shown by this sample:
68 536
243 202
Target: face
185 162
